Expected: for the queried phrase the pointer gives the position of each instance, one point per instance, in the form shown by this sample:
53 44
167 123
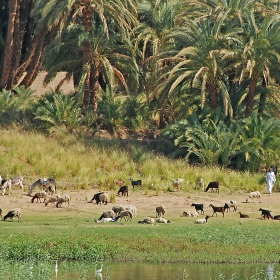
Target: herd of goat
47 194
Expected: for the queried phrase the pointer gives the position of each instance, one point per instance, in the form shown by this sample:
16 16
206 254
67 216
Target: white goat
18 181
202 221
177 183
229 204
252 195
160 211
63 199
16 212
191 214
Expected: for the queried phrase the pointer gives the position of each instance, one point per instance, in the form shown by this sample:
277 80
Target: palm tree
122 13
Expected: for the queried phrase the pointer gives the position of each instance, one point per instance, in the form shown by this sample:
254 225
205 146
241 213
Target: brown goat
217 209
243 215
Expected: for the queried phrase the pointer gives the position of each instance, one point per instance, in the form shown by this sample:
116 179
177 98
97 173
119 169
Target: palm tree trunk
94 84
213 97
262 97
250 98
6 63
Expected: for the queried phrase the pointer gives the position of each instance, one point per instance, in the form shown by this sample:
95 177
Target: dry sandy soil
175 203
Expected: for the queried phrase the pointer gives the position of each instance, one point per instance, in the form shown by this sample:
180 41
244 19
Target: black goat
217 209
136 183
276 217
213 185
198 207
123 190
265 213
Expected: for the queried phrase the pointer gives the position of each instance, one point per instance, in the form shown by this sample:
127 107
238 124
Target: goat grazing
202 221
147 220
160 211
213 185
229 204
127 215
38 196
123 190
136 183
243 215
16 212
100 198
216 209
198 207
63 199
252 195
177 183
265 213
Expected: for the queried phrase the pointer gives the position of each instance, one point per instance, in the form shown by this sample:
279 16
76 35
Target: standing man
270 179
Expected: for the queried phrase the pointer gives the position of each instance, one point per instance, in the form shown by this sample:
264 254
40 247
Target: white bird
99 271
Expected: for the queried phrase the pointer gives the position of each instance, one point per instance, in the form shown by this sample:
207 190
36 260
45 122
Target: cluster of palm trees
169 57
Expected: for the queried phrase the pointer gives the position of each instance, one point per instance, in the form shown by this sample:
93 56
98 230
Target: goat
160 211
202 221
63 199
16 212
123 190
252 195
198 207
161 220
147 220
177 183
6 184
127 215
18 181
52 199
217 209
231 203
38 196
212 186
119 183
47 184
136 183
276 217
243 215
190 214
265 213
100 198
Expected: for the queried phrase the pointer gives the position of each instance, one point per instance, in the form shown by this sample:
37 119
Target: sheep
217 209
118 208
191 214
127 215
100 198
177 183
52 199
6 184
136 183
231 203
243 215
147 220
132 209
38 196
16 212
123 190
63 199
162 220
119 183
252 195
201 184
106 214
265 213
198 207
160 211
202 221
212 186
